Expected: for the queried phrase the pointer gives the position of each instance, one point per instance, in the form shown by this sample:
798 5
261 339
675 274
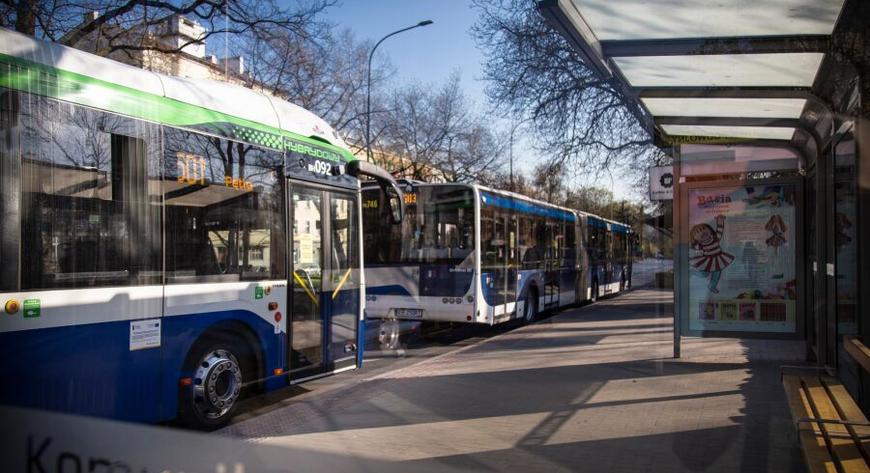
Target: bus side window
88 219
10 189
224 210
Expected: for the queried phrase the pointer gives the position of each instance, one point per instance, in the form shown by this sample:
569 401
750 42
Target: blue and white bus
167 244
609 245
470 254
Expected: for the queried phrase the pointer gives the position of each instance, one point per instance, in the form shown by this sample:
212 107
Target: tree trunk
25 21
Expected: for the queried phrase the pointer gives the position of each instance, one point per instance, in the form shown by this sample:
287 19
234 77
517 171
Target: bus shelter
764 108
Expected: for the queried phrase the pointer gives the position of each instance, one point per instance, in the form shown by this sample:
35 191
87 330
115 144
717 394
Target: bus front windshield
438 227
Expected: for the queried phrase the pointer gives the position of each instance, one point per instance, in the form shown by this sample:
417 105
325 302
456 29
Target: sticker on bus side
144 334
32 308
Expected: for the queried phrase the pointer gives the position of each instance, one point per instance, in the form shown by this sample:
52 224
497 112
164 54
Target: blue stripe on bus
390 290
90 370
614 227
523 206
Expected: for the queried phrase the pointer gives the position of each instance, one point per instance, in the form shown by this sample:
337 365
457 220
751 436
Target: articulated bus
168 244
608 244
469 254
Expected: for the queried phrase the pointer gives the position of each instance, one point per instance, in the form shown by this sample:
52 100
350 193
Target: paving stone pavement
589 389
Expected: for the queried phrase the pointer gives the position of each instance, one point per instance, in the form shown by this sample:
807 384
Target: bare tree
130 25
325 74
579 117
548 182
478 151
438 132
596 200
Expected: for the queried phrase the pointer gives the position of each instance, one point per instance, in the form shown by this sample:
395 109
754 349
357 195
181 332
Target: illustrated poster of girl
711 260
777 227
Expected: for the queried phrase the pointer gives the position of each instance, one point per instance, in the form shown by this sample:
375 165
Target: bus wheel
389 336
530 309
217 384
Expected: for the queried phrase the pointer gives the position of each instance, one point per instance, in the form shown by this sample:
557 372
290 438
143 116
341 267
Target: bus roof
595 220
528 199
102 83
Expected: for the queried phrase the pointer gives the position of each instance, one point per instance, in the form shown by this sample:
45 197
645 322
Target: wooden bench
833 432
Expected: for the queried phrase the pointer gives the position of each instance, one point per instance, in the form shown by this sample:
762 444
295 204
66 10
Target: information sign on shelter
661 183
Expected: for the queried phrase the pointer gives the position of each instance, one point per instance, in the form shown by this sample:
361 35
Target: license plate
409 313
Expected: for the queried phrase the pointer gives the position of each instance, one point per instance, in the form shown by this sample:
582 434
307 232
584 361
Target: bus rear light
277 371
185 381
273 305
468 318
277 316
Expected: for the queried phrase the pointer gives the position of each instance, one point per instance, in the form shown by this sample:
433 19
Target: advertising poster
742 258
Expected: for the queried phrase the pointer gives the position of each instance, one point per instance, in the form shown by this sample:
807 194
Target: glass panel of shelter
845 254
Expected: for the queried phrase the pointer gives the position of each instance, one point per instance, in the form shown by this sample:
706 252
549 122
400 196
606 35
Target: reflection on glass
307 326
85 187
223 207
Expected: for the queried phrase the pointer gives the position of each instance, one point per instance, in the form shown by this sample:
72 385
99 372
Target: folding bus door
305 326
324 280
343 285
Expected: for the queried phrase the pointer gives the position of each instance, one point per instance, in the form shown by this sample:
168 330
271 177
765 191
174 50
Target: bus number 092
320 167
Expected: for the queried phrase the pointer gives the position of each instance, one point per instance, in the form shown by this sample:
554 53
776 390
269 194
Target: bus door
324 280
569 268
551 268
501 262
512 263
343 285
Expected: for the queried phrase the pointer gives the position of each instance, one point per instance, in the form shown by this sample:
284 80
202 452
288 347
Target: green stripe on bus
84 90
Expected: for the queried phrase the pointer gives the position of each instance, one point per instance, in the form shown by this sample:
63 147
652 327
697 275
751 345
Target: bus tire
389 335
530 308
220 366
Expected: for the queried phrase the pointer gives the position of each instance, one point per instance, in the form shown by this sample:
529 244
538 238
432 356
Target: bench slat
813 445
849 410
839 439
858 352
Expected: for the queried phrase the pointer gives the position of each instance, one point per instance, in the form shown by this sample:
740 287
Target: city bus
465 253
609 246
168 245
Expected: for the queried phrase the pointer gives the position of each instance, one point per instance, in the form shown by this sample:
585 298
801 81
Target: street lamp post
369 84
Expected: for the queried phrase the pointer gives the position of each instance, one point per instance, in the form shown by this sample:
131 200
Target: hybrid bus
168 244
470 254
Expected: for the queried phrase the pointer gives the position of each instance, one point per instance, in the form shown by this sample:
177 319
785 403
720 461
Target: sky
430 54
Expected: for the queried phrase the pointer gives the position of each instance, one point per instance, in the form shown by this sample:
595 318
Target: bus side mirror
394 197
395 202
